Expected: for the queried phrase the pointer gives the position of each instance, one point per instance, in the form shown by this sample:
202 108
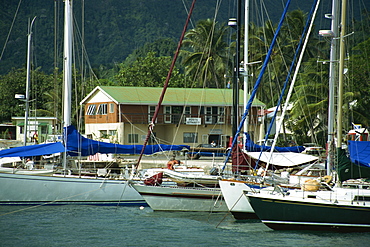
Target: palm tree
205 54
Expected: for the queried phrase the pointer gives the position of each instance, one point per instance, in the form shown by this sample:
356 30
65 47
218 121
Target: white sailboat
341 208
19 189
233 189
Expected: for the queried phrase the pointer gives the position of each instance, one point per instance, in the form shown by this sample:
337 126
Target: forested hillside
112 29
131 43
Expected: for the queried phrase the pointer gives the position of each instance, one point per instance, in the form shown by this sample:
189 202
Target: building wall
129 123
111 115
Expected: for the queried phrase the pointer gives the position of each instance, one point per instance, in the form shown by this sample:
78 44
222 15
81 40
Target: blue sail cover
252 147
359 152
33 150
79 145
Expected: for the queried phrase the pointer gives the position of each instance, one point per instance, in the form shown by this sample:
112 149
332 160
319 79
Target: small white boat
175 198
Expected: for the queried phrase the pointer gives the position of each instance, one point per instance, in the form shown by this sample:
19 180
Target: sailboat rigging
64 188
334 208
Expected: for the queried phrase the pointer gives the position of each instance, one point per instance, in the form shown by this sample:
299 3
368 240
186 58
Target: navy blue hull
299 215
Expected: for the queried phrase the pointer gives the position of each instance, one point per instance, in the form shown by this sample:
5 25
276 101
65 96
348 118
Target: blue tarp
359 152
250 146
76 144
79 145
33 150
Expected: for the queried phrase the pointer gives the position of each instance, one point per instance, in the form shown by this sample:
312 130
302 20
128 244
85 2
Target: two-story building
187 116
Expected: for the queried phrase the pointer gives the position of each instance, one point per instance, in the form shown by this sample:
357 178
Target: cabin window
102 109
111 108
190 137
133 138
91 110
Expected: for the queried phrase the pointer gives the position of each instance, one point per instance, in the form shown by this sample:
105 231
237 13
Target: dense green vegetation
118 54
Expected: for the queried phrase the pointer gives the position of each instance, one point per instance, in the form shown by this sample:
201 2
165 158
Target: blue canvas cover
250 146
33 150
357 165
79 145
359 152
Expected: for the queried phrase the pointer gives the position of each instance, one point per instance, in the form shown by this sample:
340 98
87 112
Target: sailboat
321 207
178 198
280 157
18 188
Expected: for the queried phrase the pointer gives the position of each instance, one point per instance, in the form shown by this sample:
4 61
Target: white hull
237 203
162 198
19 189
26 172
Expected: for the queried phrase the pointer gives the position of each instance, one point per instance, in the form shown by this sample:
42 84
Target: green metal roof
174 96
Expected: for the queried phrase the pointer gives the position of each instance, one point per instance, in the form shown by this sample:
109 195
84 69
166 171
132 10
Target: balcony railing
138 118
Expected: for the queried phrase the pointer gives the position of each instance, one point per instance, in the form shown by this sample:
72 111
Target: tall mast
246 61
236 71
28 81
332 80
67 69
341 74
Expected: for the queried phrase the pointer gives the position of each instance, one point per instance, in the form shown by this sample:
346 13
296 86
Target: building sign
193 121
215 131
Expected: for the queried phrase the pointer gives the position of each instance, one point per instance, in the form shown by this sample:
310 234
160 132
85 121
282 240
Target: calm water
131 226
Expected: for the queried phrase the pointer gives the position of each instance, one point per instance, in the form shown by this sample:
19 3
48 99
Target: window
187 111
190 137
91 110
167 114
103 134
44 129
213 114
133 138
151 110
102 109
221 115
208 116
111 108
112 132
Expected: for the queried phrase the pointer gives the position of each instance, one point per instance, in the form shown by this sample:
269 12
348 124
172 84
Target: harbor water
73 225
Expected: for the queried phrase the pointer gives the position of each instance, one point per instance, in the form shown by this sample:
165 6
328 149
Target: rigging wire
10 30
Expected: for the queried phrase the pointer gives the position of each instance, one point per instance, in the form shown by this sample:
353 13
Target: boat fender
327 179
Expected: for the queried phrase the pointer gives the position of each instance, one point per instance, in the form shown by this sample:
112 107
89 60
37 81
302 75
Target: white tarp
283 159
6 160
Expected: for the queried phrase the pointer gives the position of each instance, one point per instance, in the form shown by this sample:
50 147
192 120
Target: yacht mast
28 81
332 80
341 74
67 69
